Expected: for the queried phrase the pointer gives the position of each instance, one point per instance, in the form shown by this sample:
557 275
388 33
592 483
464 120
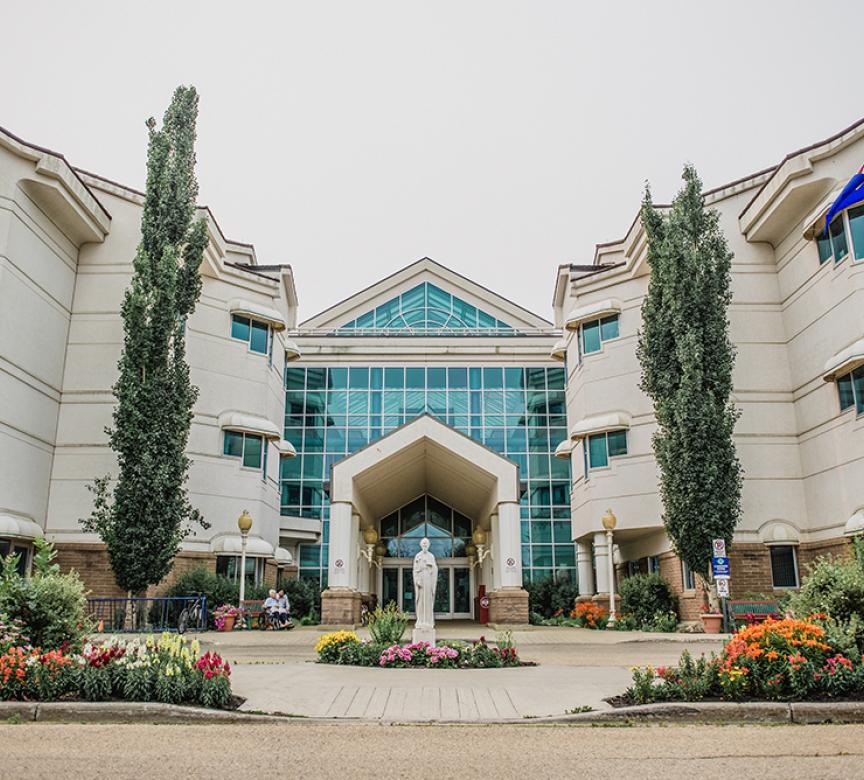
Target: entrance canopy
425 456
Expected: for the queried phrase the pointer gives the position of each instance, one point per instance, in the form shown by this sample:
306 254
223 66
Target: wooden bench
743 611
254 614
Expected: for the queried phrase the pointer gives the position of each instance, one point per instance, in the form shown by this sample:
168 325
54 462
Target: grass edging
721 712
122 712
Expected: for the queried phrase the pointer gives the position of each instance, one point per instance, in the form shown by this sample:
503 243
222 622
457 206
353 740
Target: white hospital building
428 405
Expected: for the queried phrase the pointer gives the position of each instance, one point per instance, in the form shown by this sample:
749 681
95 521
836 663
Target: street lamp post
244 523
609 522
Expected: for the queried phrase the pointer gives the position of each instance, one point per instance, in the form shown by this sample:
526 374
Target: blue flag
852 193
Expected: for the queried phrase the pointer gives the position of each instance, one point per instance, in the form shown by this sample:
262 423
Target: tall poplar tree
687 358
143 522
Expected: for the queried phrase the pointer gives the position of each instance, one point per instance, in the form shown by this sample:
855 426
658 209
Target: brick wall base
508 606
340 607
750 567
93 566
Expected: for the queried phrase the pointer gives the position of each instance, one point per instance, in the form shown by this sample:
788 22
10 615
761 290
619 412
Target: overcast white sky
499 138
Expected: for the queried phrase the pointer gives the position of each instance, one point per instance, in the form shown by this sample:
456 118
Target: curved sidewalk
577 668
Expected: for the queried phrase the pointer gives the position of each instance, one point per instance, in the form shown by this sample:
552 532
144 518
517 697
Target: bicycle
190 615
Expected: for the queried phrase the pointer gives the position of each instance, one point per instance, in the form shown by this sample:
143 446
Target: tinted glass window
783 567
240 328
617 443
597 451
837 230
591 337
258 342
856 228
844 390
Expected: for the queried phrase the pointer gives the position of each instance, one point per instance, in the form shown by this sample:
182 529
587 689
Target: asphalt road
306 750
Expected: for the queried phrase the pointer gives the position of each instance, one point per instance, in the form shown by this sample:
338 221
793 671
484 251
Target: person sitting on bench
271 609
283 608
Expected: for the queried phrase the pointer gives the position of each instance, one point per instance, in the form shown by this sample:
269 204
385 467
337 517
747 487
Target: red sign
484 602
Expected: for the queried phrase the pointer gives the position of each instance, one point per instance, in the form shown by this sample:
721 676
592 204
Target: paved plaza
275 672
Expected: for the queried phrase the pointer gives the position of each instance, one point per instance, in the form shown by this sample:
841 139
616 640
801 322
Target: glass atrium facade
332 411
426 309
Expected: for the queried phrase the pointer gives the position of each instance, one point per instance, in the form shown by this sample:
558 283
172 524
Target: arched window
447 530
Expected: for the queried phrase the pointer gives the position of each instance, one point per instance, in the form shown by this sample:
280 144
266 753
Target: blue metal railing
145 614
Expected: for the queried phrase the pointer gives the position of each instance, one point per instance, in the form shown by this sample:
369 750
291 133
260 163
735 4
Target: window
423 309
653 564
516 410
850 390
687 576
229 566
784 566
603 446
594 333
846 227
246 446
255 334
8 547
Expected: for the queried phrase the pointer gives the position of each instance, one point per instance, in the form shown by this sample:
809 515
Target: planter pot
712 624
229 623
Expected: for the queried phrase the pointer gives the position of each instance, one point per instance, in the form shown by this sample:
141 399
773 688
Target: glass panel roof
423 309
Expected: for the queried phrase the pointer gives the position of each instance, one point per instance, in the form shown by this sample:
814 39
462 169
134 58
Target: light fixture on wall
476 549
370 553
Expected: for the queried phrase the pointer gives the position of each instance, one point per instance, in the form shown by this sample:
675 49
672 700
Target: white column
508 550
363 574
344 538
584 569
601 562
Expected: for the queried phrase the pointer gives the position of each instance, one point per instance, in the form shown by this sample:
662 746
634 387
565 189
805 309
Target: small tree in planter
687 359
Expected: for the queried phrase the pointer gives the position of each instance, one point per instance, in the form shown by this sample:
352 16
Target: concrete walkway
396 695
275 672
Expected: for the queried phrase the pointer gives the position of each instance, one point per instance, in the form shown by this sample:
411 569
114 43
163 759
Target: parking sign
719 547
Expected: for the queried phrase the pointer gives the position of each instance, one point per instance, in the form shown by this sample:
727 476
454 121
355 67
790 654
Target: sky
499 138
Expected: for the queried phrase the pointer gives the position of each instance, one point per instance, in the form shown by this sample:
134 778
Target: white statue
425 583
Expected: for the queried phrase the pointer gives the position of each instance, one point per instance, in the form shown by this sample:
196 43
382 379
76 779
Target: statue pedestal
423 635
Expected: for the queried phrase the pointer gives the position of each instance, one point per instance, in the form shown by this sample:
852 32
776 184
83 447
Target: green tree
687 359
143 522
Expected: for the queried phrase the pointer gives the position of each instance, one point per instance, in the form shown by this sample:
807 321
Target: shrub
217 589
589 615
836 589
643 596
387 626
169 670
663 622
329 646
304 597
782 660
551 595
50 606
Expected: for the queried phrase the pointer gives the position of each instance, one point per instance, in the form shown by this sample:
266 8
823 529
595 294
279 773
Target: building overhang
601 423
425 456
247 423
844 361
592 311
257 311
232 544
18 527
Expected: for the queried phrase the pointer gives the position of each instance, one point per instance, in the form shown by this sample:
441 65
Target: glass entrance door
452 594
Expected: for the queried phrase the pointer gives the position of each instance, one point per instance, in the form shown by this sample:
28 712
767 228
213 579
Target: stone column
340 603
601 564
584 569
508 602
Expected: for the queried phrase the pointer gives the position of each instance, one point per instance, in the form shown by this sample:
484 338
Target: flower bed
345 647
170 670
778 660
